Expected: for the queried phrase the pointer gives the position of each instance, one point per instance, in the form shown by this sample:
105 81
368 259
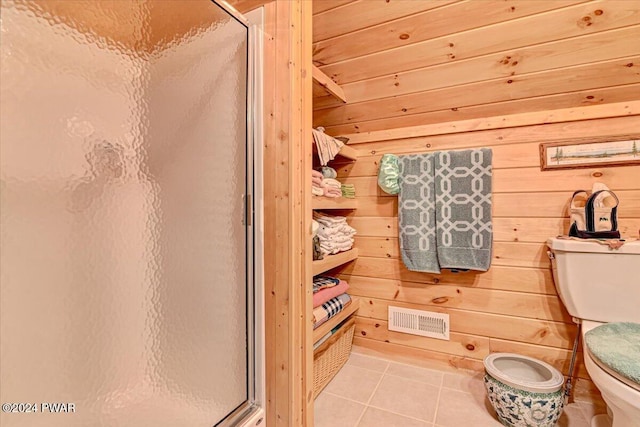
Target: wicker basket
332 355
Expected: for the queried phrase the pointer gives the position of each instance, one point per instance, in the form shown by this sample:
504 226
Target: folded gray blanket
444 210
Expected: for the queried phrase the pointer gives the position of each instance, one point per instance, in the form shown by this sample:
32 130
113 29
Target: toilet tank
595 282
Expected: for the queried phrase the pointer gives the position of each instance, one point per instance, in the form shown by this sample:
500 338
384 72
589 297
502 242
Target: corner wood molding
602 111
329 85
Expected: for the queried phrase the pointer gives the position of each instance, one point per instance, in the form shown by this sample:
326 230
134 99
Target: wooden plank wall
514 306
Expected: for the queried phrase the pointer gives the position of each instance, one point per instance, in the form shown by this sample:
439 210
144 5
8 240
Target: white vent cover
418 322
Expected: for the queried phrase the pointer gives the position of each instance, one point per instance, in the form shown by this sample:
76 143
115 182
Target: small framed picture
572 155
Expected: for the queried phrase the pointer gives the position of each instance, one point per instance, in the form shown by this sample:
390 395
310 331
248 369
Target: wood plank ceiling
412 62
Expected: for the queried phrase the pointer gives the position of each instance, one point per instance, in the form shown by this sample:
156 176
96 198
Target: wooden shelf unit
320 202
323 329
323 83
333 261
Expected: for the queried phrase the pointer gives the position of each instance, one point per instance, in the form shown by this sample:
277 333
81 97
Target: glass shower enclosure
130 256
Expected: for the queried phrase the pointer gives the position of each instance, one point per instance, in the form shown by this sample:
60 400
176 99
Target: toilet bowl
621 395
523 391
600 286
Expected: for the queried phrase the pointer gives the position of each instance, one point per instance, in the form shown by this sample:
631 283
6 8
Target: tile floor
374 392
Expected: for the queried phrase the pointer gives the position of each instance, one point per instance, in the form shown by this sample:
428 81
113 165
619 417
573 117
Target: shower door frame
252 411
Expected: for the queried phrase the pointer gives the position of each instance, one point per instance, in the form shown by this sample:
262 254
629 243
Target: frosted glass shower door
126 242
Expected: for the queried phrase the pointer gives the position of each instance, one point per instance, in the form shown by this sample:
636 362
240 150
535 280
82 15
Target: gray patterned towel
416 213
444 210
463 209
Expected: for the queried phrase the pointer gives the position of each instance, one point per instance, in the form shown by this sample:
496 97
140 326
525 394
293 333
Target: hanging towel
463 209
388 174
416 213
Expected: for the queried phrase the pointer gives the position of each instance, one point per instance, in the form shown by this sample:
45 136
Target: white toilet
599 286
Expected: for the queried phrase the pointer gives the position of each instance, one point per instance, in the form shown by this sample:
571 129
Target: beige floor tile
378 418
428 376
354 383
458 408
368 362
470 382
572 416
333 411
406 397
589 409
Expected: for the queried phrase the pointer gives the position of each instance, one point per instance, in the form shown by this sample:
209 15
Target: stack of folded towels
334 233
329 298
348 191
331 187
316 183
324 183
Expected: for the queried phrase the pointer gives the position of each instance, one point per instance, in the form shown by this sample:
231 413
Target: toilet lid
617 346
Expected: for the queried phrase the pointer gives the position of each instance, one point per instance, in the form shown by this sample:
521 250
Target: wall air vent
418 322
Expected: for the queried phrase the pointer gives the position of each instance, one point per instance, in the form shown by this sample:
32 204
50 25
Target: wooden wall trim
500 122
306 154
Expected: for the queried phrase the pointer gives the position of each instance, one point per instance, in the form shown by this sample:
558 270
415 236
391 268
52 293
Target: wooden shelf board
332 261
320 202
323 329
329 85
348 152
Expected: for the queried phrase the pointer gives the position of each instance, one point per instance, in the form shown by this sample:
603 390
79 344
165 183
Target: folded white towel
329 220
328 234
330 182
335 240
325 230
334 248
331 193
